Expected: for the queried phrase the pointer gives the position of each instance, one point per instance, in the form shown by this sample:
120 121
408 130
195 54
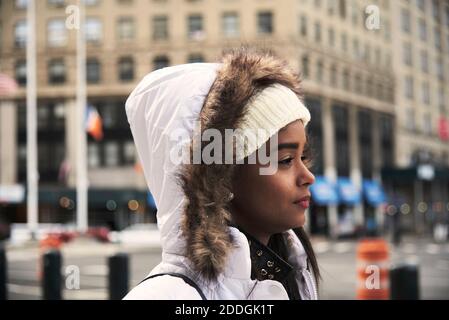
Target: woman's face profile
268 204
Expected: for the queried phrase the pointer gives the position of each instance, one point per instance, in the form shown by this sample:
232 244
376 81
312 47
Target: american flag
94 124
8 85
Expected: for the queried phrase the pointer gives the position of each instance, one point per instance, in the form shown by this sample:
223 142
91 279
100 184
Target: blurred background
375 78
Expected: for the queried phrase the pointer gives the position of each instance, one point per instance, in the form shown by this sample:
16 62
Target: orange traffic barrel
373 270
50 241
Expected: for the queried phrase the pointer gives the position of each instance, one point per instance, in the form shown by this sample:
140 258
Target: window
405 20
340 118
422 29
421 4
56 3
355 13
56 71
109 116
129 152
369 87
365 141
388 60
21 72
91 3
331 7
425 93
346 84
319 71
381 95
59 115
387 30
93 155
437 36
111 153
427 124
441 98
195 27
435 10
94 30
377 56
333 77
447 16
342 8
411 120
195 57
126 69
440 69
303 25
160 27
408 87
317 32
331 35
305 66
43 117
356 49
22 157
93 70
230 21
367 53
344 42
265 22
407 54
125 28
20 34
160 62
57 33
424 61
21 4
358 83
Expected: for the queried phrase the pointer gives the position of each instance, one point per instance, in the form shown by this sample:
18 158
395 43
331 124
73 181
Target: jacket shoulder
163 288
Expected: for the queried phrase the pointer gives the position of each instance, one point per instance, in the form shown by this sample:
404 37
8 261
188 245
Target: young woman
229 229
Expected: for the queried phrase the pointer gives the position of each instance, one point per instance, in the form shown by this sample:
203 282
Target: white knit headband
267 112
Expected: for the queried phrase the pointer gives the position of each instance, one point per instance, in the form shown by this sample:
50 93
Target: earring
231 196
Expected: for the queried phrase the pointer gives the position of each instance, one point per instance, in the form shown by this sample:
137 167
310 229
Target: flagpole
81 101
32 169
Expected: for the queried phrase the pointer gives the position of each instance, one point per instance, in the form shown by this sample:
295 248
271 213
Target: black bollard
52 279
118 276
404 282
3 274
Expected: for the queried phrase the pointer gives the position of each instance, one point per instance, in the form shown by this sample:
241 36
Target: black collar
266 264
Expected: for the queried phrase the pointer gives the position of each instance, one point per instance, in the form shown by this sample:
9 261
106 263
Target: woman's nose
305 177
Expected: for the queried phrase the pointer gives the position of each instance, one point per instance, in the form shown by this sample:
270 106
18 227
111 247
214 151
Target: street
337 261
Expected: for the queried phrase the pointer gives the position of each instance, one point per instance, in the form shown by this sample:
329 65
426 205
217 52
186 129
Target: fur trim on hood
243 73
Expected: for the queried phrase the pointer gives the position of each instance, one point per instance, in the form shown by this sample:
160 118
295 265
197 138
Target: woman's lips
303 202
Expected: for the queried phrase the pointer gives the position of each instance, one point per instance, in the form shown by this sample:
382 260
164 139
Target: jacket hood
167 100
192 199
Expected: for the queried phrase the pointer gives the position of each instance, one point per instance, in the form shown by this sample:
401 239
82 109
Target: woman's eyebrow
287 146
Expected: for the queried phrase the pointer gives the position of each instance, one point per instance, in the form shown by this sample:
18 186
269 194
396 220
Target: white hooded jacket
167 100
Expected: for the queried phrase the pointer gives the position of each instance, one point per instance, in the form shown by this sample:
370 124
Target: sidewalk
86 246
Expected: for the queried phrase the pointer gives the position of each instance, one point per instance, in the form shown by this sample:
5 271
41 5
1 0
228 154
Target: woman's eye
308 162
286 161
